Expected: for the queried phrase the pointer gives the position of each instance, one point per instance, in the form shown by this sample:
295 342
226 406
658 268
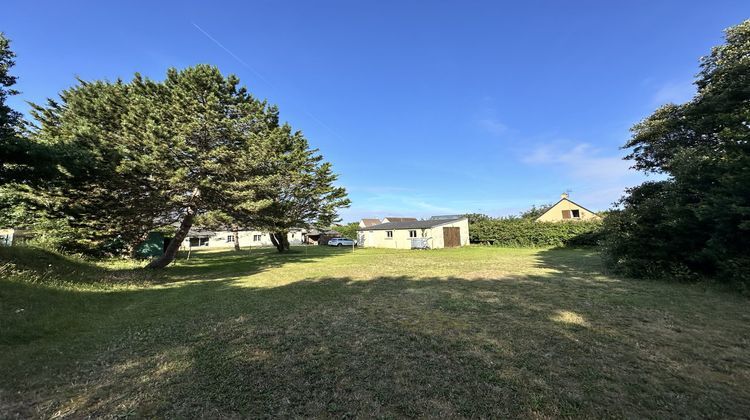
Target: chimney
564 195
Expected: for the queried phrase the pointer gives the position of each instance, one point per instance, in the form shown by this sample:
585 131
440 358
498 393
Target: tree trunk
174 245
280 241
236 232
285 240
275 242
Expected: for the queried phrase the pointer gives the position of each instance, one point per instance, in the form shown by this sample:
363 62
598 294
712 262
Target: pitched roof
401 219
447 217
414 224
327 232
570 201
370 222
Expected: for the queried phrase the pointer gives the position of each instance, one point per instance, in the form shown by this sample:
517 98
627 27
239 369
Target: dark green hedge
516 232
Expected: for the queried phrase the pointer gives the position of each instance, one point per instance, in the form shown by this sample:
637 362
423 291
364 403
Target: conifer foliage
144 154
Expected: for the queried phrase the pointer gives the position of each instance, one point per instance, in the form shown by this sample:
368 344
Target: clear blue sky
423 107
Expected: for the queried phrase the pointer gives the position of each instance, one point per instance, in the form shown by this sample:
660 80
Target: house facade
416 234
198 238
566 210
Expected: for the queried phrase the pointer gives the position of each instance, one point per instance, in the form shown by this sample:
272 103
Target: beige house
566 210
416 234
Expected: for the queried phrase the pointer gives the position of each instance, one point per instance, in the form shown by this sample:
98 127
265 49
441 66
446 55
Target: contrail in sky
260 76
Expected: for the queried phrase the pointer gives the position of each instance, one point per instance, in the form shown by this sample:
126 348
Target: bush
515 232
659 233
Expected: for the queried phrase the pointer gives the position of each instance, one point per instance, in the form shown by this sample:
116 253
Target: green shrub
660 232
516 232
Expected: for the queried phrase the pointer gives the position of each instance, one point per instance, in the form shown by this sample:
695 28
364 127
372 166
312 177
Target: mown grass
472 332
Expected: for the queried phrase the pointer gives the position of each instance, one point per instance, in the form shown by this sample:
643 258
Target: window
194 242
571 214
389 234
256 238
230 238
412 233
203 242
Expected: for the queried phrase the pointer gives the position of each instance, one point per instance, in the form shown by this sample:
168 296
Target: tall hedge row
516 232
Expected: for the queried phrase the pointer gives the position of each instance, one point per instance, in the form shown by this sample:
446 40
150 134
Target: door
451 237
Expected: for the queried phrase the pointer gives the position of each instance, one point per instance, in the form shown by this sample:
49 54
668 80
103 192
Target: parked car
342 242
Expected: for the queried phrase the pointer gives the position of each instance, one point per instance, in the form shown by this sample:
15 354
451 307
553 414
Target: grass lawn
473 332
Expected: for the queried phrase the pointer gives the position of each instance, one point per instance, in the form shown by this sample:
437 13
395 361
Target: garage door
451 237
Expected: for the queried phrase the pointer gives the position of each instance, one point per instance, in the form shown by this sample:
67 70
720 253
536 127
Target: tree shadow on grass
203 265
546 345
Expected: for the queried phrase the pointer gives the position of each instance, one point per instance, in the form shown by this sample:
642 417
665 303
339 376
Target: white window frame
388 234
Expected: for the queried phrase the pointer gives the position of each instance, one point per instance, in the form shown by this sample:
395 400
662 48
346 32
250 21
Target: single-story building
200 238
416 234
566 210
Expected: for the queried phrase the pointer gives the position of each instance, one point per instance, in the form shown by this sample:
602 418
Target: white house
199 238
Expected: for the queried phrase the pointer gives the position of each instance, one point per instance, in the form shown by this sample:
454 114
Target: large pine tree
145 154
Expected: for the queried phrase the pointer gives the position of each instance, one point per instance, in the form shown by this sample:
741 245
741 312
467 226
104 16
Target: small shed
416 234
321 237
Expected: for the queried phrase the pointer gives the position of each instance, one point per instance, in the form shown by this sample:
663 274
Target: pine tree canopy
142 154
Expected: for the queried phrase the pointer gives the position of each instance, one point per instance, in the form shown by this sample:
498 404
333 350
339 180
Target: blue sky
423 107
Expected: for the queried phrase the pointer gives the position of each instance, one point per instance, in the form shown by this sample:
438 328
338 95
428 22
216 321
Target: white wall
401 239
437 233
247 239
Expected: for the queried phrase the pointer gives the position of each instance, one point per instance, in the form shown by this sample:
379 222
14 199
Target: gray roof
447 217
417 224
313 232
400 219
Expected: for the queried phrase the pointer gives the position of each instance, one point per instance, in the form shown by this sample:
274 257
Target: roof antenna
566 194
